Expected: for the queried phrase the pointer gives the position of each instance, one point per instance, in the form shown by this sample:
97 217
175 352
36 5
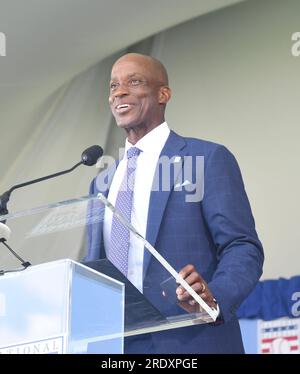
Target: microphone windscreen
91 155
5 231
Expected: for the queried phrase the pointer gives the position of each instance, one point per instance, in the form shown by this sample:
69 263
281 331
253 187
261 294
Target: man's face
135 98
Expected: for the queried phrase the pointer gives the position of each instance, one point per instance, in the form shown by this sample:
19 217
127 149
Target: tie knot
133 152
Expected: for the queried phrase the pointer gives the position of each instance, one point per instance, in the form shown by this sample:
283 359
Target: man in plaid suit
211 240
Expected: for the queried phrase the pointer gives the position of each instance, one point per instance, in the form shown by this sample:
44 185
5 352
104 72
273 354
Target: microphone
89 157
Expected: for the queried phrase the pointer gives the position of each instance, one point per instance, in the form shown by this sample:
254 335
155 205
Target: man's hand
194 279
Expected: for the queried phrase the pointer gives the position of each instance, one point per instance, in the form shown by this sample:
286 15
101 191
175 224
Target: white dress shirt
151 146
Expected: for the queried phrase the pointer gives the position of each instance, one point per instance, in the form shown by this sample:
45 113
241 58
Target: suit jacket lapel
174 150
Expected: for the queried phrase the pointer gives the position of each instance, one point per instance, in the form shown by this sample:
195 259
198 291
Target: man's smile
123 108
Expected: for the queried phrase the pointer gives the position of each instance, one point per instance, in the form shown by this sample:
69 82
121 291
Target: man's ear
164 94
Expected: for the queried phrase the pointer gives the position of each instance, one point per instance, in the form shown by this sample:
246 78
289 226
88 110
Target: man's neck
134 134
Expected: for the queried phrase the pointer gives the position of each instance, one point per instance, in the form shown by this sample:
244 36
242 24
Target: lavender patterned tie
120 235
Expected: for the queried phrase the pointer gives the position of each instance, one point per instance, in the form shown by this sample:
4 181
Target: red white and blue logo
279 336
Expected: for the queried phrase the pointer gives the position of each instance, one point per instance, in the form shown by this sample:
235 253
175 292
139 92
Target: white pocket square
185 183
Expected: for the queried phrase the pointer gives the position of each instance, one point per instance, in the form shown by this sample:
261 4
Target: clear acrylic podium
59 305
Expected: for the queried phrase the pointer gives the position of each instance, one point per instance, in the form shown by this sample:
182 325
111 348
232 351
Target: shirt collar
154 141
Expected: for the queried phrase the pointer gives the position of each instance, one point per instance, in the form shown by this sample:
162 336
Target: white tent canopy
53 85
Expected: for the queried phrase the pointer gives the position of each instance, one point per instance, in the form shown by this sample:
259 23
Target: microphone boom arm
4 198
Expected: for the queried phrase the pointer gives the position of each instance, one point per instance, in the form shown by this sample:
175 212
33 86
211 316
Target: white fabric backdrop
75 117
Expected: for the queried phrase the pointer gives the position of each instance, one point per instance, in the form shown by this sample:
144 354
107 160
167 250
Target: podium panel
61 307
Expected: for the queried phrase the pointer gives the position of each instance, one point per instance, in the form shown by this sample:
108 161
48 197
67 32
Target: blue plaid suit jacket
217 235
